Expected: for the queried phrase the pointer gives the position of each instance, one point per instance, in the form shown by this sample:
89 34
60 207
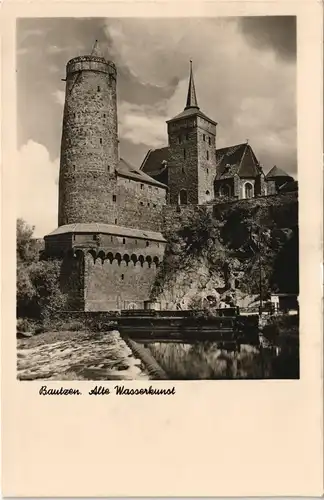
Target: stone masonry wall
182 160
139 205
206 144
89 147
192 159
72 279
115 284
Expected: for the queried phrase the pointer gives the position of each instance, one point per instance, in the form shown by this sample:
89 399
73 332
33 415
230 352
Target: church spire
191 97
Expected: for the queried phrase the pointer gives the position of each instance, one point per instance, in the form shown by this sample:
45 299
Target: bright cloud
59 96
37 198
251 94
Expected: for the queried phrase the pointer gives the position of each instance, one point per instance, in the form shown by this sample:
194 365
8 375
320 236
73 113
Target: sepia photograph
157 199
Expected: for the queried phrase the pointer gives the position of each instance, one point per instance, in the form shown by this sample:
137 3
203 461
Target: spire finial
95 49
191 97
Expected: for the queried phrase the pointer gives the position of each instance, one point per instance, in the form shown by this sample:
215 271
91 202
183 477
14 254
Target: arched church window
248 190
183 197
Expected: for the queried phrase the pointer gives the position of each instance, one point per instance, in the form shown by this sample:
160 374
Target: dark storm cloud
271 32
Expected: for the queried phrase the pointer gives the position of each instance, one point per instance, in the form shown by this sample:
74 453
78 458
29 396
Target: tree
27 247
38 292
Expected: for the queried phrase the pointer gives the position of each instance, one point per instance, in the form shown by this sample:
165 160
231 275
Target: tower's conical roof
276 172
191 97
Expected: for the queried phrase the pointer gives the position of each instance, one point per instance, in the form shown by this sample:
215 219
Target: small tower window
183 170
142 185
207 192
147 243
209 140
207 155
207 171
124 241
114 197
148 204
100 140
184 154
204 137
98 88
108 168
115 221
122 277
141 203
104 115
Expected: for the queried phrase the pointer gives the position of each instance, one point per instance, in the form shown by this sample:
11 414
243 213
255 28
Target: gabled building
239 174
277 178
196 172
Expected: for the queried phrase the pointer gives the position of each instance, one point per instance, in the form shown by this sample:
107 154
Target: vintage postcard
162 199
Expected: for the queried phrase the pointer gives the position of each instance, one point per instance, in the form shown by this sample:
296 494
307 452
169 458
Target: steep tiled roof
237 160
289 186
94 227
233 160
155 162
191 112
277 172
127 170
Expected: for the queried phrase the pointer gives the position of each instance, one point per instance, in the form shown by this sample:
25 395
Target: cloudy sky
245 75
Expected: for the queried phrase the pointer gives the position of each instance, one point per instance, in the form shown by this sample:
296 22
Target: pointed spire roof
192 108
276 172
191 96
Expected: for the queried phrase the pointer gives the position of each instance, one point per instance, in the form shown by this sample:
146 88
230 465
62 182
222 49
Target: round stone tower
89 147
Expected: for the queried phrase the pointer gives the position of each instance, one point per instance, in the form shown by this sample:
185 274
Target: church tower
192 153
89 146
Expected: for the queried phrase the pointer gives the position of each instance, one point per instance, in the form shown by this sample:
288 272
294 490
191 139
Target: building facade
110 214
